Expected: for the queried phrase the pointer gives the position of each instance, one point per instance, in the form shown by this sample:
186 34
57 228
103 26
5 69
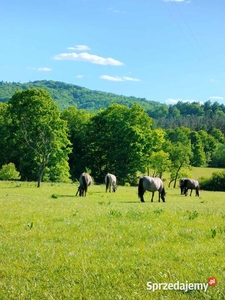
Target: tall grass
107 246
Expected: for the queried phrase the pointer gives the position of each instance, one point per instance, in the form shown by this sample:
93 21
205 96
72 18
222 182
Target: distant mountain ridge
66 95
196 116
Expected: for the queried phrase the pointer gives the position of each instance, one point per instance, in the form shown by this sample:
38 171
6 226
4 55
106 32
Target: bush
215 183
9 172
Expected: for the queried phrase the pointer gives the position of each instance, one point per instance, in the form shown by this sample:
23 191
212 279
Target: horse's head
114 188
182 186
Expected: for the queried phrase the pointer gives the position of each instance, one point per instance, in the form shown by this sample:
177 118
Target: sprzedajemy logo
181 286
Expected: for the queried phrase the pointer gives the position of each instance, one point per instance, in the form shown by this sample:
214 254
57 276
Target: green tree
178 146
209 143
198 159
179 135
38 133
159 163
4 133
218 157
77 121
218 135
116 142
180 155
154 144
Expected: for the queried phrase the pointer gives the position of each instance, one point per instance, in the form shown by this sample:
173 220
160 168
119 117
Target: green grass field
108 246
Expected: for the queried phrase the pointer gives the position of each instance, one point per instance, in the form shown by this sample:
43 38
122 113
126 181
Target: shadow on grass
63 196
133 202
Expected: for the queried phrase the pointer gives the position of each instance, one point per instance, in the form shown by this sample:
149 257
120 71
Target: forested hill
195 116
66 95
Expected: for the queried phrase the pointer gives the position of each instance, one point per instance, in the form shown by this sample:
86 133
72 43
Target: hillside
66 95
195 115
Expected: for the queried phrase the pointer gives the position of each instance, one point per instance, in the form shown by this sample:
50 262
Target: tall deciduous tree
77 120
39 135
116 142
199 158
154 144
160 163
4 133
180 156
218 157
209 143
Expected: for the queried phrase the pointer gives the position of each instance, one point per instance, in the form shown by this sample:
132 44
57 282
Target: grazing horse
85 180
151 184
189 184
110 182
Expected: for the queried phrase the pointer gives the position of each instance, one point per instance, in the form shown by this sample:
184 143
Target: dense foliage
45 143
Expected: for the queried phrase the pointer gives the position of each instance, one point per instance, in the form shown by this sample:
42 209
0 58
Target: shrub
9 172
215 183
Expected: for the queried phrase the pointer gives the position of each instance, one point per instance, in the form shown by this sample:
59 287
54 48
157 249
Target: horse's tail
107 182
84 182
197 190
141 189
163 194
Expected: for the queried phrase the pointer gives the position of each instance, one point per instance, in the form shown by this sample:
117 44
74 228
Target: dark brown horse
189 184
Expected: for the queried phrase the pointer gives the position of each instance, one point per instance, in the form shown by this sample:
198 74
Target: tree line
195 116
47 144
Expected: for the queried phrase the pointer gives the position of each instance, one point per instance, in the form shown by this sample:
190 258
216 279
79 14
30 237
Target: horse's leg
152 196
197 192
78 190
191 192
142 198
159 196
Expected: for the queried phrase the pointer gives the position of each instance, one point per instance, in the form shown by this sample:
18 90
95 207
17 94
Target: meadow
108 246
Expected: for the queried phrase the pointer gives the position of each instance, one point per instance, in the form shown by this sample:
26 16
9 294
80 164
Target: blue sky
161 50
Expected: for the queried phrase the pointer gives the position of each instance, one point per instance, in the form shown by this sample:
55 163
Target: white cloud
117 78
171 101
79 48
40 69
111 78
84 56
44 70
80 76
216 97
130 78
174 101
